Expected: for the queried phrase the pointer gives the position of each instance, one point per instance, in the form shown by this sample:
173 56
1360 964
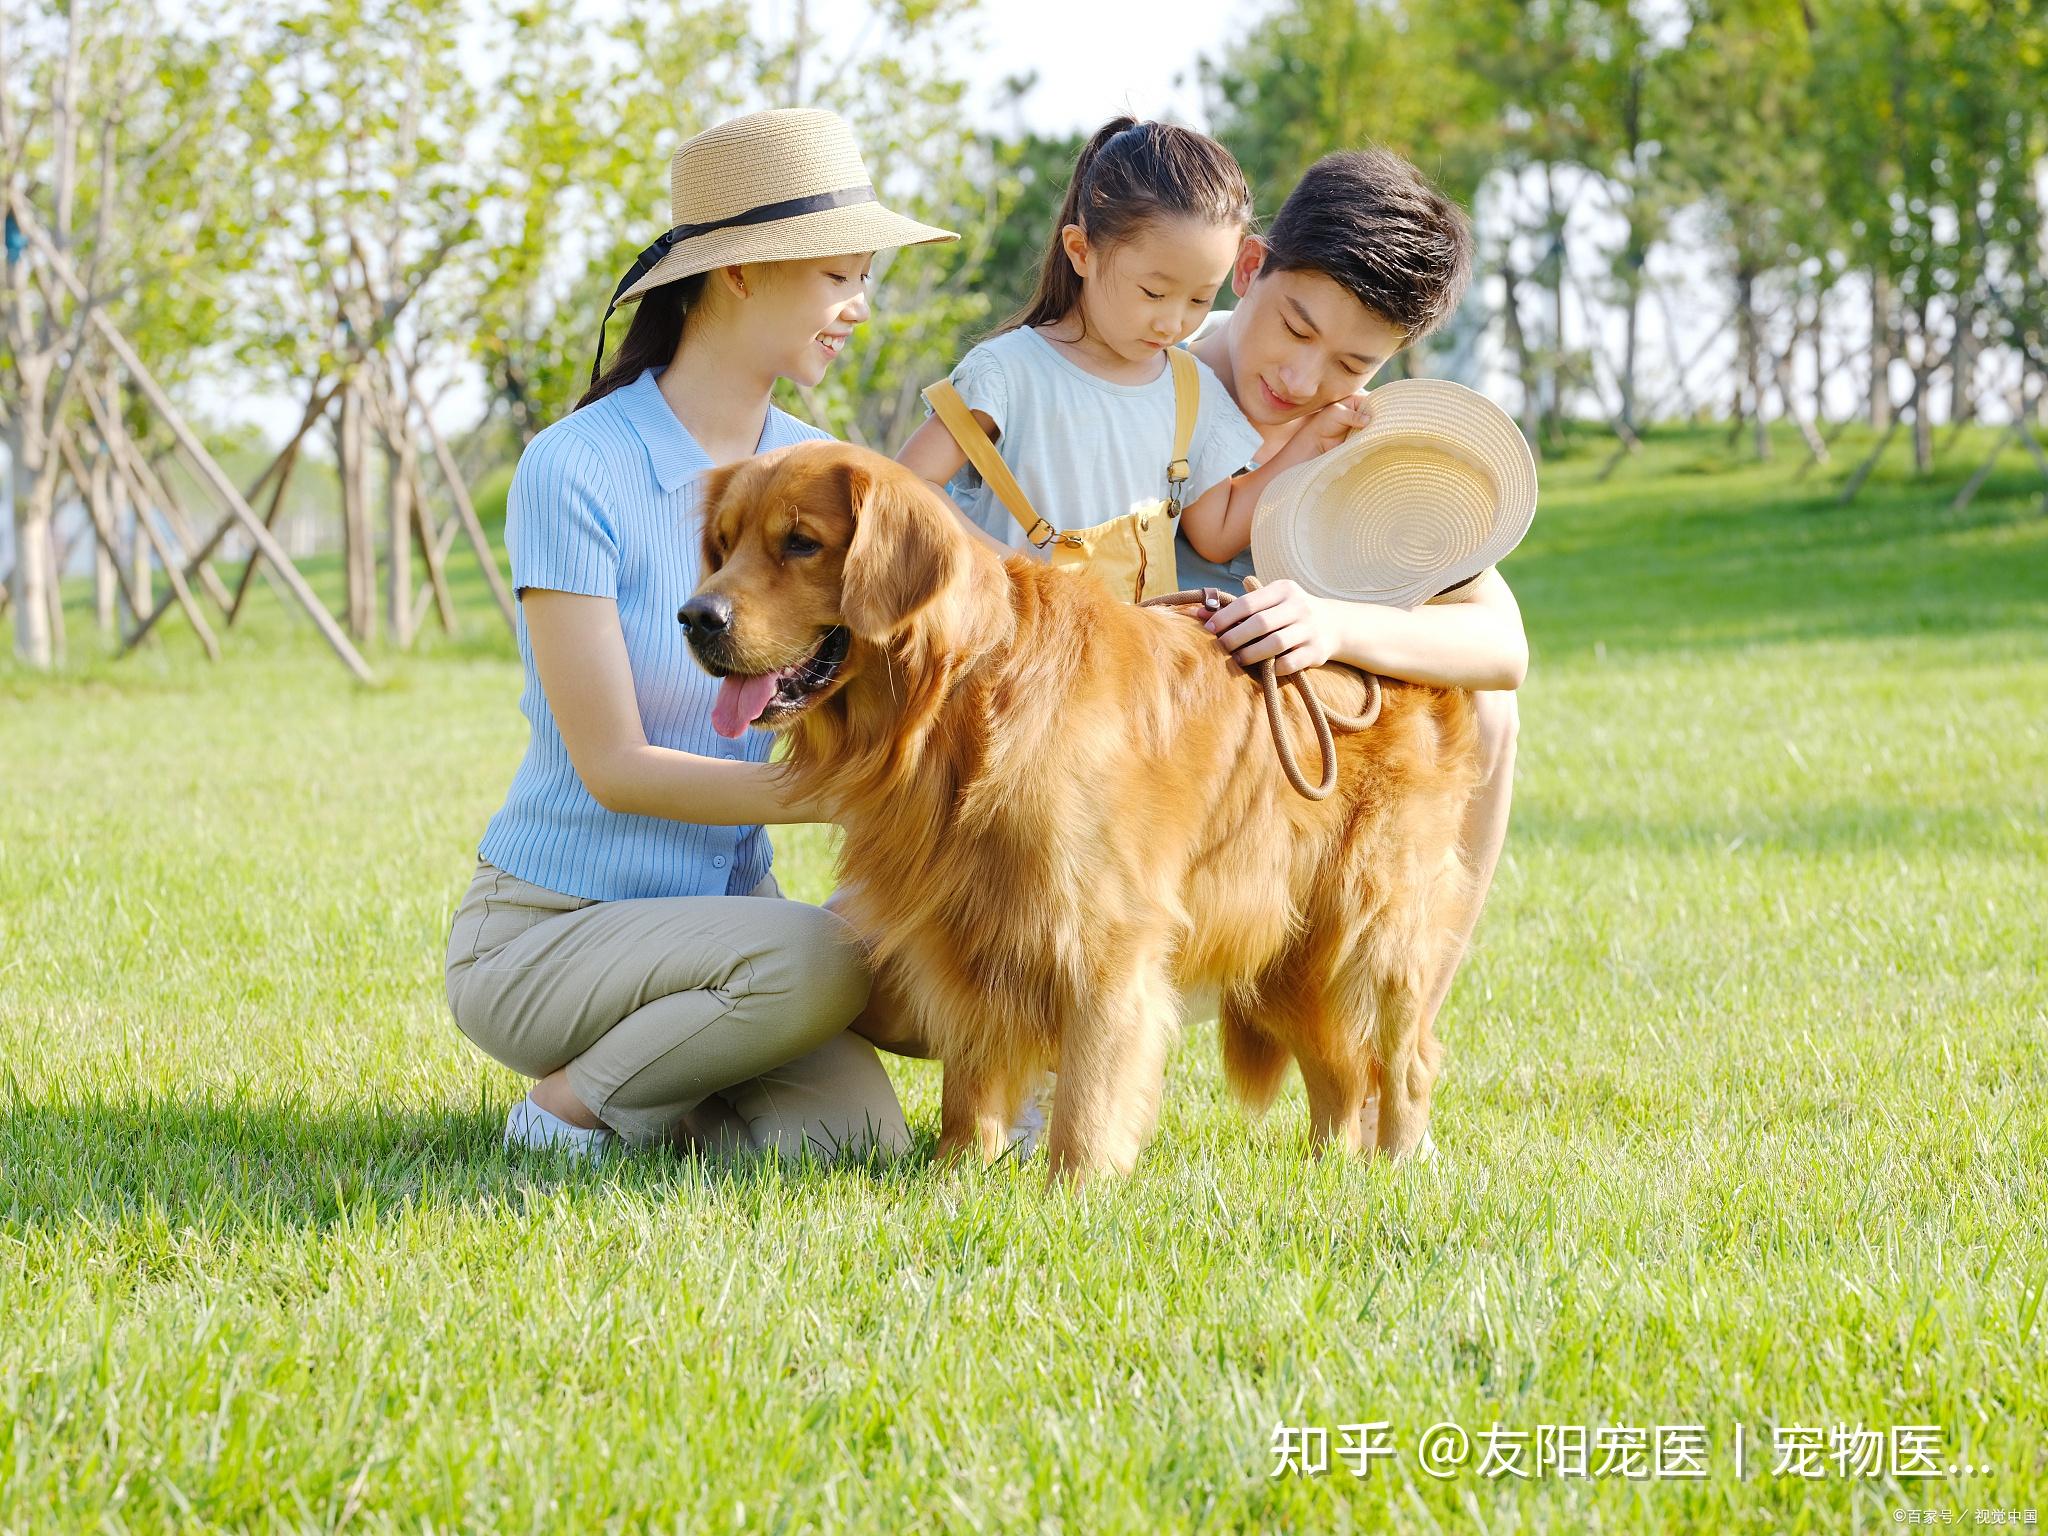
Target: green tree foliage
367 187
1933 121
1899 139
484 173
588 116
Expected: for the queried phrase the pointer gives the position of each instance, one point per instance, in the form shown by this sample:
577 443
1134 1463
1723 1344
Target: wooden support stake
210 473
102 522
134 475
434 546
451 475
180 589
288 460
181 529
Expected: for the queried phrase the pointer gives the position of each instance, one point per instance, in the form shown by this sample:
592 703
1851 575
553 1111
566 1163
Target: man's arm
1472 640
1218 523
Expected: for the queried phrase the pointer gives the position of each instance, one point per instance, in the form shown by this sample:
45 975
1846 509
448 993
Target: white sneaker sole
529 1128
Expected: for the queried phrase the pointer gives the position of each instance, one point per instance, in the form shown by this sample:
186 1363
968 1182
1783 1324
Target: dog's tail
1253 1061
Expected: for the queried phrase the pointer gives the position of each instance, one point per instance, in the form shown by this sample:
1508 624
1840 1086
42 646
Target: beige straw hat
785 185
1436 488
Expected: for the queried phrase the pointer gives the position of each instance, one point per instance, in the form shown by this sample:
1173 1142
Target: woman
623 941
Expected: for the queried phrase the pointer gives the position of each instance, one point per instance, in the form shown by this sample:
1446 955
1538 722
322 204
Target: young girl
1075 389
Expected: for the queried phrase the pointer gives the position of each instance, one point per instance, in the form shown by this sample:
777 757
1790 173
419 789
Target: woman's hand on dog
1297 629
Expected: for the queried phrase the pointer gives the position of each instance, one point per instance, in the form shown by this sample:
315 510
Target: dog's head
814 556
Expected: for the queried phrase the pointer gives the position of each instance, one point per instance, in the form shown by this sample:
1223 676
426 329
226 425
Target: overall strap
947 405
1187 399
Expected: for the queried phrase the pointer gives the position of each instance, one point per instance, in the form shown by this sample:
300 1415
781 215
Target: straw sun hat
1436 488
785 185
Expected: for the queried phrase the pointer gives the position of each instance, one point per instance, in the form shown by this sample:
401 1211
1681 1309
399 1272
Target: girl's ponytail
1059 285
1129 174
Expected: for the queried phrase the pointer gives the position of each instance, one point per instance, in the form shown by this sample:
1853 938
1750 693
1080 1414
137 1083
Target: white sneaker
1029 1128
528 1125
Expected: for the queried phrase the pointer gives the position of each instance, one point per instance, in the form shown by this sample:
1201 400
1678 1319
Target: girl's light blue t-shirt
1084 449
605 503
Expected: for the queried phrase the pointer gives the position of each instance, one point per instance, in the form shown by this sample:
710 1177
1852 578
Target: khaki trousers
714 1019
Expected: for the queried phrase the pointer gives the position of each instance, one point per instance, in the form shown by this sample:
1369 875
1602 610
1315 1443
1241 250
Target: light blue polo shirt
605 503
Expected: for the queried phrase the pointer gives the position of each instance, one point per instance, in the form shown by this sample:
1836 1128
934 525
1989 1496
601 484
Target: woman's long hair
1128 175
652 337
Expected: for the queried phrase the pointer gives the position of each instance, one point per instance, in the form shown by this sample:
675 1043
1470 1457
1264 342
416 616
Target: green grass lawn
1742 1123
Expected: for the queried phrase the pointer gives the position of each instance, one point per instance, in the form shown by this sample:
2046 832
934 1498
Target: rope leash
1320 715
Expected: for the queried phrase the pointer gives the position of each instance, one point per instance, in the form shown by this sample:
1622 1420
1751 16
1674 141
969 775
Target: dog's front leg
1112 1069
974 1108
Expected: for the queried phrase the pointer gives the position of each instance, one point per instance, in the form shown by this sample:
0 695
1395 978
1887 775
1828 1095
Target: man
1364 258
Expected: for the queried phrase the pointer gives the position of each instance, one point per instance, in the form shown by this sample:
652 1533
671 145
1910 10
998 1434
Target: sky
1093 58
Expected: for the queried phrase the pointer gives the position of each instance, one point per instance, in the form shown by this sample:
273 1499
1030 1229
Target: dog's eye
799 545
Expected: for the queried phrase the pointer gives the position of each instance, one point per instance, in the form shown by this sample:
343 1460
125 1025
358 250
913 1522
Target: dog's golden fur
1061 809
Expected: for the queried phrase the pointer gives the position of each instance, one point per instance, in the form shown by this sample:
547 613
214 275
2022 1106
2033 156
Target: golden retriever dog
1061 809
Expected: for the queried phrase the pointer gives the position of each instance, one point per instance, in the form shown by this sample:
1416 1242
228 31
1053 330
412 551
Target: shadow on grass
278 1164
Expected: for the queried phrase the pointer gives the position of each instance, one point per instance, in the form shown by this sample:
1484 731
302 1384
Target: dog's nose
706 616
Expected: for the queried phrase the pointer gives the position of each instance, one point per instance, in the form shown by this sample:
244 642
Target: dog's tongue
740 702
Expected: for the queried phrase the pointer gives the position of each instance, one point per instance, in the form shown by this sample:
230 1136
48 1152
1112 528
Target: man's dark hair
1374 224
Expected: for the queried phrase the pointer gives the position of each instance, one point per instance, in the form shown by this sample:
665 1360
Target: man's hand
1297 629
1331 426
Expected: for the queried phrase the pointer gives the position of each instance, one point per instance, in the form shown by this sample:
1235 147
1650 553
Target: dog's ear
714 485
906 549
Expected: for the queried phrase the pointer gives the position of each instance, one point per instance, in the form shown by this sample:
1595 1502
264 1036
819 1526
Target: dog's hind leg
1112 1071
1405 959
1408 1059
1302 1011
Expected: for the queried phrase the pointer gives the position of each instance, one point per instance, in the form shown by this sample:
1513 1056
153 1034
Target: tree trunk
1518 343
1631 316
1880 352
1816 331
1750 360
1555 262
1923 376
1962 393
398 547
30 582
1635 253
103 576
359 556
